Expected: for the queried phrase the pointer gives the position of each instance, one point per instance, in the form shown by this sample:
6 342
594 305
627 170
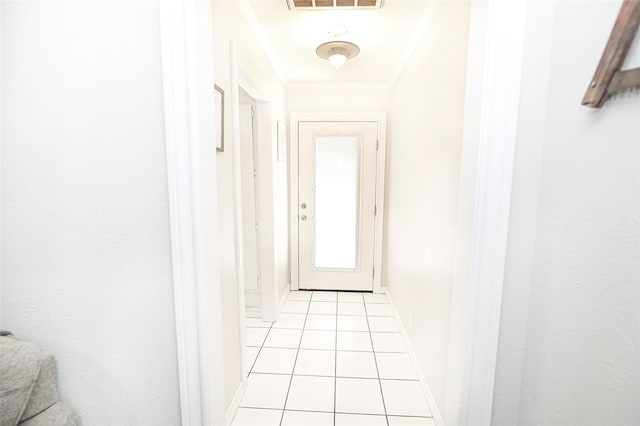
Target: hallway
508 221
350 365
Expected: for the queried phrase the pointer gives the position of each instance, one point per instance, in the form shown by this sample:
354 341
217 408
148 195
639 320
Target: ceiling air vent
334 4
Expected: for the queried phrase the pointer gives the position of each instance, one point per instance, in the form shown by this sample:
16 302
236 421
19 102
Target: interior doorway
337 181
250 204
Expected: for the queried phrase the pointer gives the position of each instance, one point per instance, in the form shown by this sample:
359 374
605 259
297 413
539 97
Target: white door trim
187 60
499 123
265 142
294 119
237 201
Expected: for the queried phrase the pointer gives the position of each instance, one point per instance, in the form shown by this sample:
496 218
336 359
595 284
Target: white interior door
336 205
249 206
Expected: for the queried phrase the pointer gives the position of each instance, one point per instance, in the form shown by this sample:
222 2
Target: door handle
303 217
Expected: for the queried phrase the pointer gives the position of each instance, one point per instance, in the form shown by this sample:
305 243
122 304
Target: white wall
423 165
570 335
229 25
86 271
337 98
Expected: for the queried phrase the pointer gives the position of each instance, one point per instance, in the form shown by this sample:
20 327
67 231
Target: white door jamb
237 201
187 60
499 122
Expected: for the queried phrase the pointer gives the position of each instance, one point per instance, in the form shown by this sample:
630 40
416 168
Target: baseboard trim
235 403
435 411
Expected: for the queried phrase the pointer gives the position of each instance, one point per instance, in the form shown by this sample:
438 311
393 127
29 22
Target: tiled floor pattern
332 358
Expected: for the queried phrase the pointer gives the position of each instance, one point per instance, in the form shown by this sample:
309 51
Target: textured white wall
86 270
423 165
578 283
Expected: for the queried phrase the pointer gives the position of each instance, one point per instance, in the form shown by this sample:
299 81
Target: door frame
294 119
248 198
186 46
477 302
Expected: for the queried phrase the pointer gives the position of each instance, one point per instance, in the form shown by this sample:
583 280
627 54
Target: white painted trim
294 119
249 83
435 411
266 140
293 202
237 203
183 39
235 402
257 30
180 210
466 202
502 80
426 18
309 85
528 163
378 222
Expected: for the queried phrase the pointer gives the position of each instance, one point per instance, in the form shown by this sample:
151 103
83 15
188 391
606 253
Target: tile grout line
326 329
339 377
284 407
351 413
259 350
321 349
375 359
339 412
254 363
328 315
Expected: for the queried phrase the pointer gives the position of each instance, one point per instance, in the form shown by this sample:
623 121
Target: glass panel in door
337 200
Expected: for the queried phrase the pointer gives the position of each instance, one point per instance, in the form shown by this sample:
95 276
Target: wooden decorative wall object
609 79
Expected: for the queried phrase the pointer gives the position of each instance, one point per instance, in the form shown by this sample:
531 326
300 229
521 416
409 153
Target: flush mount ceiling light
337 52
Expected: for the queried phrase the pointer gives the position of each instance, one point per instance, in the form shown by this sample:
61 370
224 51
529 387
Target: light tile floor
332 358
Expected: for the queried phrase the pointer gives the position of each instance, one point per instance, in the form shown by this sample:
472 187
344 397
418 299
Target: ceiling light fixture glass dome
337 52
337 60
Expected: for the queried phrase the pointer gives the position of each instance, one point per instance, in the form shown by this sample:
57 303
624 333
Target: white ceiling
386 38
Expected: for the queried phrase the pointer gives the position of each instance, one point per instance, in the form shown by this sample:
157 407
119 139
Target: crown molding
263 41
309 85
252 20
427 17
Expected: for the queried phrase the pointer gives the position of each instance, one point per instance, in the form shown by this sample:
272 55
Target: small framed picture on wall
219 112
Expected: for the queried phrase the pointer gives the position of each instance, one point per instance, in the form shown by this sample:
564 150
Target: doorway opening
250 204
